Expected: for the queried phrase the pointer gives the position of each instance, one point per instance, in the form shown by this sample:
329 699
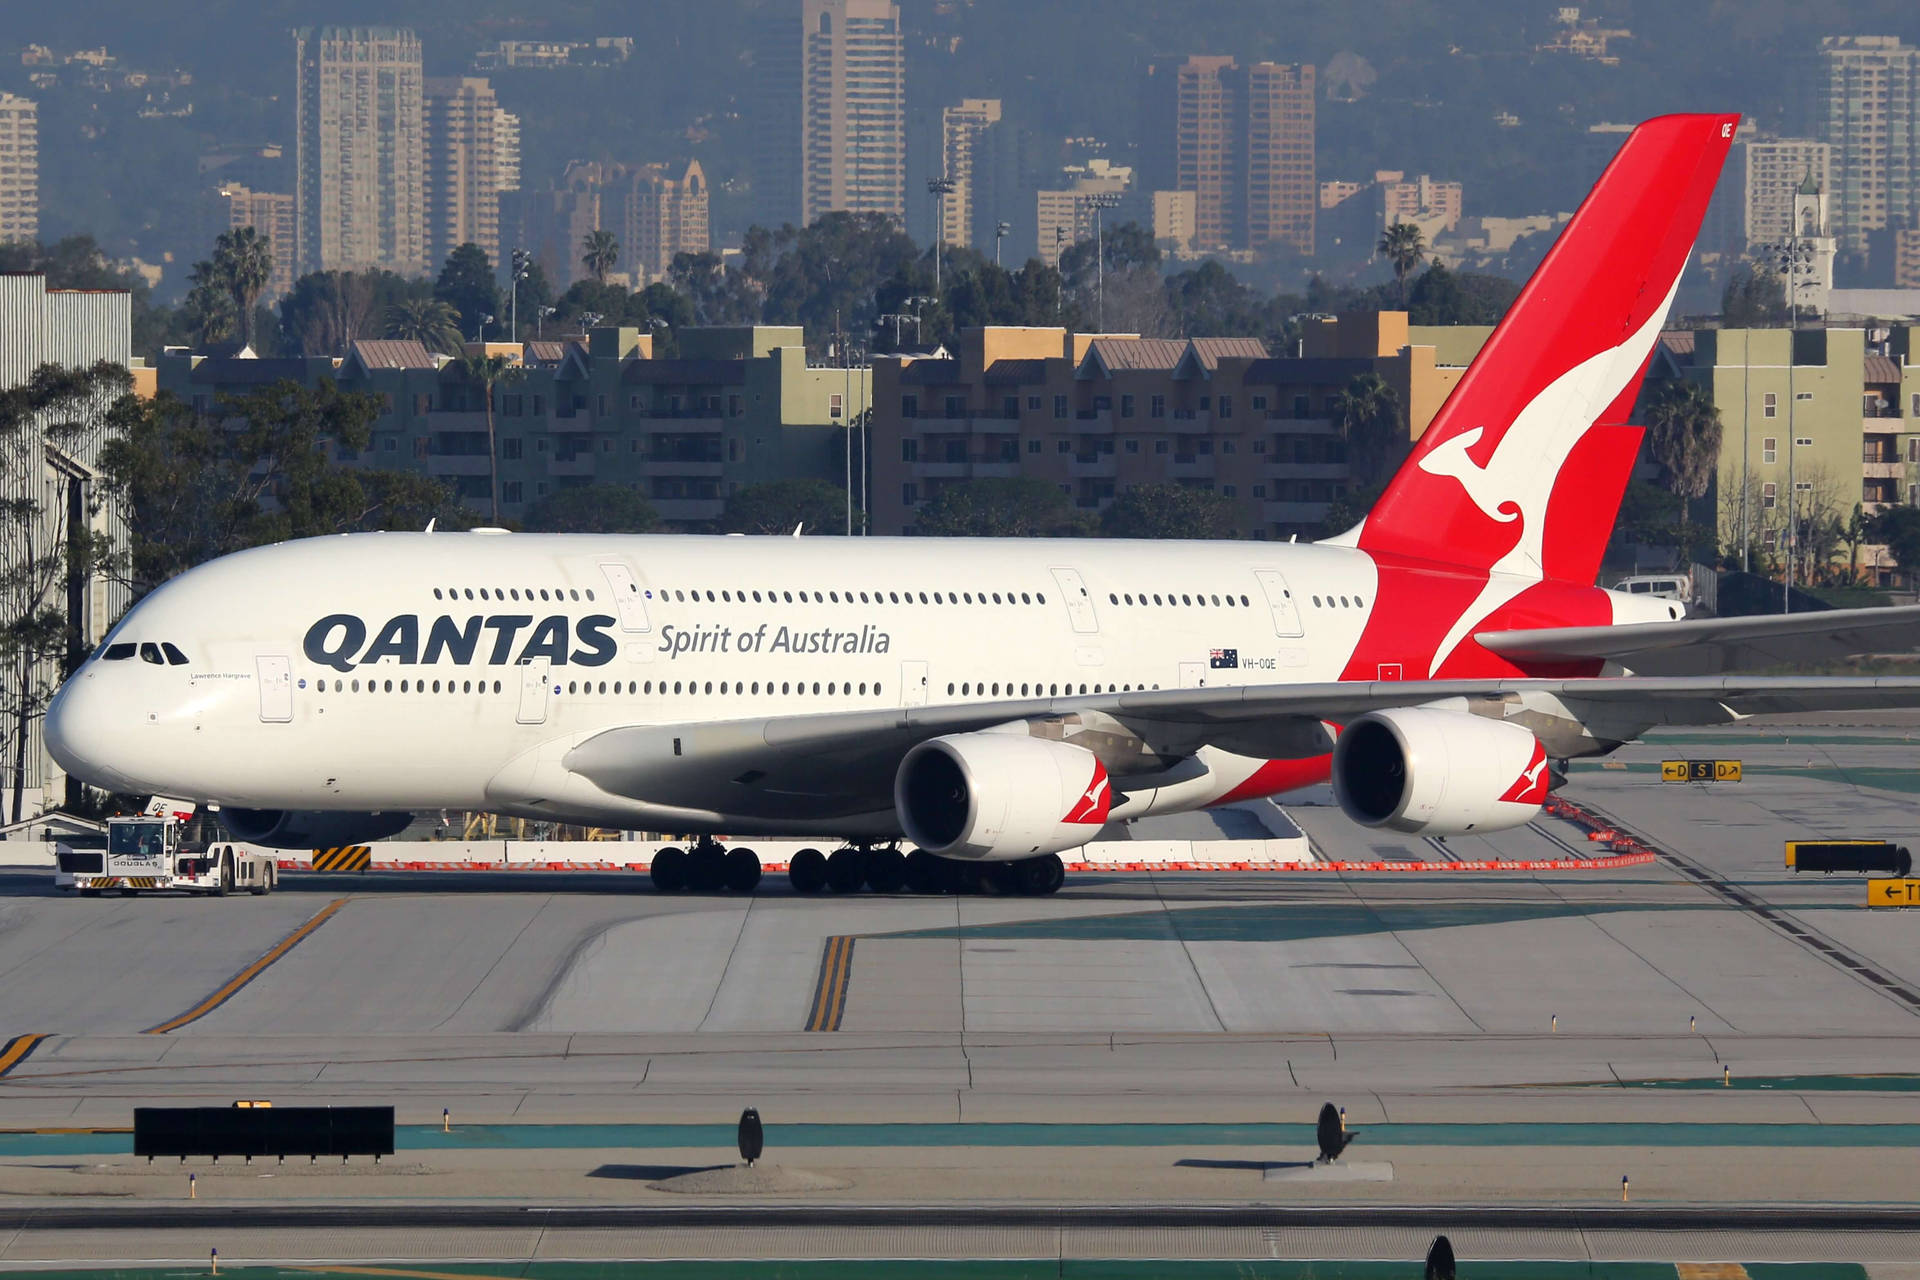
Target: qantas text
339 640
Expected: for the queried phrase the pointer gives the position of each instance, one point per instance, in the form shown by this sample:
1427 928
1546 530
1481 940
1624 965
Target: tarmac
1709 1025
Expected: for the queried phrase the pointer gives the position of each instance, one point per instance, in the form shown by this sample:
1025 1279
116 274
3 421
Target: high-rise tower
360 188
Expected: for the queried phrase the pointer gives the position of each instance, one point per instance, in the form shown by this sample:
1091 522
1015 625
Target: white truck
152 852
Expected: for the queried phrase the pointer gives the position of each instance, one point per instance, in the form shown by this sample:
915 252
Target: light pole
522 263
939 189
481 337
540 320
1101 202
1000 230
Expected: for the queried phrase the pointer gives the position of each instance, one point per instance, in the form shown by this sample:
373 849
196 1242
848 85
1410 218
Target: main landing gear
711 867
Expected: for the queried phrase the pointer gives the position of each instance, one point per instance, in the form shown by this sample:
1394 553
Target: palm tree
1368 413
1404 245
598 254
487 372
1683 436
244 259
429 321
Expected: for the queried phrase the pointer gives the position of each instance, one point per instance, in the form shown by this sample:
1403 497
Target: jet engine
1000 797
310 828
1428 771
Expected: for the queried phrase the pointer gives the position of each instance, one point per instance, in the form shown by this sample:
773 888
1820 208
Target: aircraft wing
843 762
1698 646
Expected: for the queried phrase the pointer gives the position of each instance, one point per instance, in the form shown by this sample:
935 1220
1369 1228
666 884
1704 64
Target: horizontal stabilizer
1706 646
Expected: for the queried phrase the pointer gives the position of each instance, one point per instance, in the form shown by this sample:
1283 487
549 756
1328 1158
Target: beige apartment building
1774 169
1244 145
1098 415
660 211
1865 104
19 168
463 167
962 129
270 214
360 191
832 134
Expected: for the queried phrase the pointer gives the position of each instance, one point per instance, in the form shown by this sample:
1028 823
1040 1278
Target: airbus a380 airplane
994 701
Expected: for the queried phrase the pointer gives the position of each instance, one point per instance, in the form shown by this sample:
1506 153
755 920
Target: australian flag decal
1223 659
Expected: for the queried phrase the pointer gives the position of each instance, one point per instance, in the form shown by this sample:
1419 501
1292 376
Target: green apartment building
736 406
1813 421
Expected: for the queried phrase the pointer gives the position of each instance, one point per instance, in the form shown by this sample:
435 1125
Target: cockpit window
118 652
150 652
174 656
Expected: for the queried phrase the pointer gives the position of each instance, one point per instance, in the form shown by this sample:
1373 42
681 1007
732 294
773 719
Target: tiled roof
1881 369
689 372
1137 353
1211 350
547 351
246 370
930 373
1678 341
1015 373
394 353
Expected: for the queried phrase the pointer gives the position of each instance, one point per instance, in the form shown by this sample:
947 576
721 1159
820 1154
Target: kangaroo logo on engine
339 640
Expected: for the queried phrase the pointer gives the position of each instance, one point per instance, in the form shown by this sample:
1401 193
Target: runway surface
1627 1001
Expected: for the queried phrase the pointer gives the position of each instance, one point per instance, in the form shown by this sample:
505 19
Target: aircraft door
627 599
1280 602
1073 589
533 691
913 684
275 674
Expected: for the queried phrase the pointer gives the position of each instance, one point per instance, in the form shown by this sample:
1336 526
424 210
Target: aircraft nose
79 731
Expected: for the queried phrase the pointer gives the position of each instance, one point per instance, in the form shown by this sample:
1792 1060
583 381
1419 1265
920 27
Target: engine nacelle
310 828
1432 772
998 797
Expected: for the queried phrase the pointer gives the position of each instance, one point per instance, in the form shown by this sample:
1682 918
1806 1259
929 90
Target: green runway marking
721 1138
1784 1084
1004 1269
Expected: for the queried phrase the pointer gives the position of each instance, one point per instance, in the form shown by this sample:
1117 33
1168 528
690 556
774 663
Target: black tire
1905 868
707 869
668 870
1041 876
807 871
224 883
924 874
743 870
846 870
1001 879
89 893
886 870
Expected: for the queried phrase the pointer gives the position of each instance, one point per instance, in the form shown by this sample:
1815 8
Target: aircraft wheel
846 868
807 871
886 870
923 872
668 870
743 870
1041 876
706 869
1001 879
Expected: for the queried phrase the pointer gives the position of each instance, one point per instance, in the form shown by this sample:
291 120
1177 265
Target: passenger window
150 652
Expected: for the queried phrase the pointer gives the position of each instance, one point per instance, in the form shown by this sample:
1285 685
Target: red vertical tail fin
1523 468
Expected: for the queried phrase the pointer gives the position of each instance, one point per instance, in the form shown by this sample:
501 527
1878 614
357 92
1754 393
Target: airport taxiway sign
1893 893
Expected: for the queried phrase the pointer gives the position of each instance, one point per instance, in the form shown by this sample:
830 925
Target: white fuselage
419 671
